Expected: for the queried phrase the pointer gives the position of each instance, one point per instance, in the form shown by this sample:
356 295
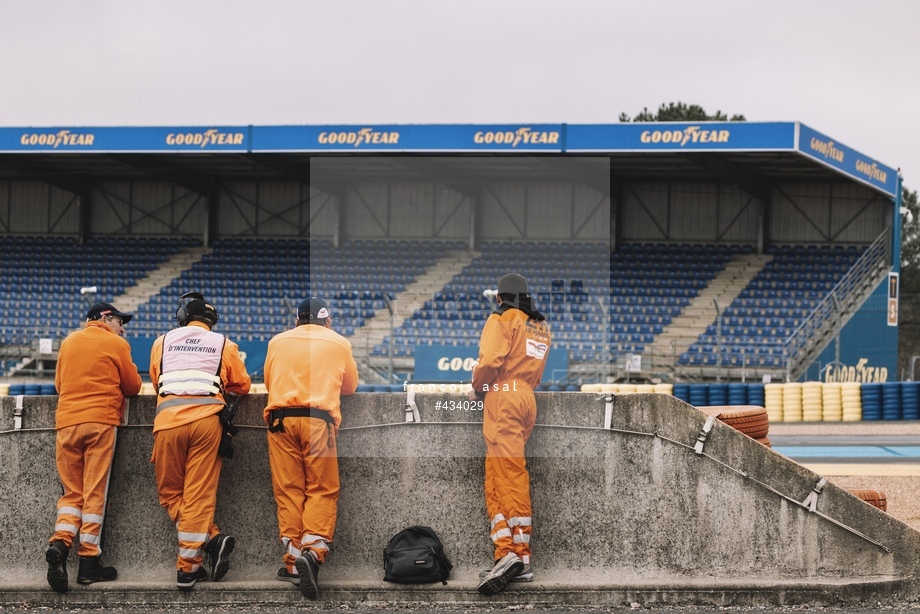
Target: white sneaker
499 576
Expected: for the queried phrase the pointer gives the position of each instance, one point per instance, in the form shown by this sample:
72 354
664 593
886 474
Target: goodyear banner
679 136
454 138
459 138
448 363
125 139
848 161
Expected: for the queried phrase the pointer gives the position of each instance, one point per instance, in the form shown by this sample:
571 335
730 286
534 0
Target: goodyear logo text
517 137
445 363
690 134
204 139
826 149
871 170
64 138
862 372
364 136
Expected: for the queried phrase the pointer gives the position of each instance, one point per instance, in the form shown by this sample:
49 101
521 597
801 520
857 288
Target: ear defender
182 313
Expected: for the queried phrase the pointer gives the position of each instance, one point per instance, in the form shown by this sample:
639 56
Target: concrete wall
633 504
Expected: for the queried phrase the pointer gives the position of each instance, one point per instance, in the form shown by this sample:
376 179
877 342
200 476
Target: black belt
276 416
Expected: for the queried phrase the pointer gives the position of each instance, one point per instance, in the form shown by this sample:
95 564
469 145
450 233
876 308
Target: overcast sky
847 68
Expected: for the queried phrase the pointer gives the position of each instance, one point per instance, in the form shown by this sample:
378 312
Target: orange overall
187 433
95 373
512 355
307 367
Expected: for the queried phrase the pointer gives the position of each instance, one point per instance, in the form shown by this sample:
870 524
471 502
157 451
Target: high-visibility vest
190 364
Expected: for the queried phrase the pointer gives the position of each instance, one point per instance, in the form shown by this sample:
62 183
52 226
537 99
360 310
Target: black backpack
415 556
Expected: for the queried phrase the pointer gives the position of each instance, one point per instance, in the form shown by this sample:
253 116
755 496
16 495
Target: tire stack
832 400
751 420
784 402
699 395
851 399
682 392
812 402
718 394
875 498
910 400
891 400
756 396
792 402
773 401
738 395
664 389
871 401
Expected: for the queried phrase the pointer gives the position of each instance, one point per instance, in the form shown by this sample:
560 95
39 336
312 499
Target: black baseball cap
101 310
312 309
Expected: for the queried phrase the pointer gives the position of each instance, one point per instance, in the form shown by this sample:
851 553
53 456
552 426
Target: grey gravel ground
903 492
330 608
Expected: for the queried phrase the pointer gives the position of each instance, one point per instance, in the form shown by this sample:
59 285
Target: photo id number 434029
459 405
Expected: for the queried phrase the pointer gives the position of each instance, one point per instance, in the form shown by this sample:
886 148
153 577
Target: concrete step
683 331
22 364
163 275
371 594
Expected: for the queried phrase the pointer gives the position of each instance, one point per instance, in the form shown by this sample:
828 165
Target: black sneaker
526 574
498 578
56 556
285 576
92 570
185 580
308 568
218 550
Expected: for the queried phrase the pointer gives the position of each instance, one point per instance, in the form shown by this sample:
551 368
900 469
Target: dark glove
226 439
226 444
232 429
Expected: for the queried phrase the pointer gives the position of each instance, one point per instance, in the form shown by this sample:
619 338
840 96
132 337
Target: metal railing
819 327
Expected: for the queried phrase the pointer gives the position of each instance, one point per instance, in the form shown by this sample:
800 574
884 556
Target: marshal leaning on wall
192 368
95 372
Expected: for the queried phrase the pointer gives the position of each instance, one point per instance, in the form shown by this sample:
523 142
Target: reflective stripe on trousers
84 454
187 469
305 481
508 420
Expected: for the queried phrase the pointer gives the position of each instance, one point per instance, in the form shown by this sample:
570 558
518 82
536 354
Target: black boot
308 568
218 550
91 570
56 556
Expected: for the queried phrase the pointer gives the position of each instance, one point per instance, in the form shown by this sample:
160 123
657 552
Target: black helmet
192 305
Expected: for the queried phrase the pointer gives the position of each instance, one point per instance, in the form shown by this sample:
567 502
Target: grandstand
653 260
564 280
259 283
757 324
